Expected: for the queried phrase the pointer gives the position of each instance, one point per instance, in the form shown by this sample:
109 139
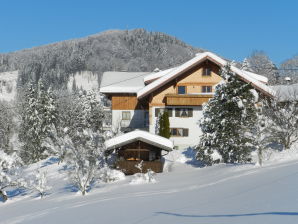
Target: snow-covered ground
184 193
8 84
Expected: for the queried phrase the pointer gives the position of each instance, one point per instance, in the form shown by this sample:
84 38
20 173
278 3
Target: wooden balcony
187 99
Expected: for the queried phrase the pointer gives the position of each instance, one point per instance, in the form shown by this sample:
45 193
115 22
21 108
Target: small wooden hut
138 151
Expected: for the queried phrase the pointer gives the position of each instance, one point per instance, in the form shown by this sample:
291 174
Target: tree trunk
260 156
4 196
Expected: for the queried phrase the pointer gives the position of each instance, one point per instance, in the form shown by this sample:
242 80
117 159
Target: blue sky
230 28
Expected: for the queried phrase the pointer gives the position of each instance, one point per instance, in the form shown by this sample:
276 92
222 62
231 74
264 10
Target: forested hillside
129 50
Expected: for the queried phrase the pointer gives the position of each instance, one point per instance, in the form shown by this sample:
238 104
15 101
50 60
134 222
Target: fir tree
164 125
39 117
246 65
228 121
30 128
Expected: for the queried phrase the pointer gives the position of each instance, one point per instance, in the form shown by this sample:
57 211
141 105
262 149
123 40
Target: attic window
207 72
181 89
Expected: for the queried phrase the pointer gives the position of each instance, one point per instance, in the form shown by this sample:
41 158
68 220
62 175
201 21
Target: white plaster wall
137 119
192 123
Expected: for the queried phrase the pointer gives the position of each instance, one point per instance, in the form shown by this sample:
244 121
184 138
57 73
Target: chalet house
137 98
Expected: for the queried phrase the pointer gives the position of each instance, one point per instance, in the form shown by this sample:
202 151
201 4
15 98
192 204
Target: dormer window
181 89
207 72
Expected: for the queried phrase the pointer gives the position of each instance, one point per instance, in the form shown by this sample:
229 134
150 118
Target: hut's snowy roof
136 135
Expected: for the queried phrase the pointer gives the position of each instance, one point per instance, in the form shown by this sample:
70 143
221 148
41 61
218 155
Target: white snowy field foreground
184 194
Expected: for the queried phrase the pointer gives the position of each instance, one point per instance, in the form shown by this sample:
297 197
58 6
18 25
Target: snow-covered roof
136 135
258 77
122 82
286 92
155 75
246 76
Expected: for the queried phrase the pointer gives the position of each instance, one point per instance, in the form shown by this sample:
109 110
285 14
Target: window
159 111
183 112
181 89
206 89
207 72
179 132
146 119
126 115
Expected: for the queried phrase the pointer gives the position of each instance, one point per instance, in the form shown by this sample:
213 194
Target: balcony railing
187 99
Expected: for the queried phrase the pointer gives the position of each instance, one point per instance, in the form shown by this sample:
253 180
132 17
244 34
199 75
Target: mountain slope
130 50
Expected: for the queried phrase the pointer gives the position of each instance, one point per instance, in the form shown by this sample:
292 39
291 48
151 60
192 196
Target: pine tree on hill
228 121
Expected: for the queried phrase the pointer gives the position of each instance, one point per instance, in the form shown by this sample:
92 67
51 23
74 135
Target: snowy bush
143 178
9 165
39 183
109 175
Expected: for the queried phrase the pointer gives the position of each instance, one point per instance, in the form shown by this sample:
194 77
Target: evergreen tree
30 128
6 127
246 65
39 117
228 121
164 125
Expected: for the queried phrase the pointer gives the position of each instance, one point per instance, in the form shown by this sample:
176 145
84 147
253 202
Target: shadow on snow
229 215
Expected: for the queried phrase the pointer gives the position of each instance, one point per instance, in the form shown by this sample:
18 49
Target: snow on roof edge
150 138
155 75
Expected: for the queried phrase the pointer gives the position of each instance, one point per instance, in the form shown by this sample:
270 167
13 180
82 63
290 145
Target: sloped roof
244 75
258 77
122 82
286 92
136 135
155 75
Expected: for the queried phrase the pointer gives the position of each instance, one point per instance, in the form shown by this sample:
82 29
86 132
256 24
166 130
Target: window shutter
185 132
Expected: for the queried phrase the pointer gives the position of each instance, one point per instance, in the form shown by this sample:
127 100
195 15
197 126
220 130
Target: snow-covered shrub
143 178
108 175
39 183
9 165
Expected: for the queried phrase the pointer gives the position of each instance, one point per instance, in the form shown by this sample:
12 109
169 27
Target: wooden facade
127 102
193 80
132 154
